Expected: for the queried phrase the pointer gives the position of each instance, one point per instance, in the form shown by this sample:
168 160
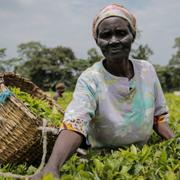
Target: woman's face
114 38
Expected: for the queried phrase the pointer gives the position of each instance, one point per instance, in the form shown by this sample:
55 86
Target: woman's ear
133 34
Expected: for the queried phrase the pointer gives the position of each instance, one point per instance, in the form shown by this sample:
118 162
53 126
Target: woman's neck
123 68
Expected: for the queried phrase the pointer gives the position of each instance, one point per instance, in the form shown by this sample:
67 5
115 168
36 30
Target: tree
45 66
10 64
169 75
27 51
2 53
165 77
7 64
174 66
142 52
175 60
93 56
177 43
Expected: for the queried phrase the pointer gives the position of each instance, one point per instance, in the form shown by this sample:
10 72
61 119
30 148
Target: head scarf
114 10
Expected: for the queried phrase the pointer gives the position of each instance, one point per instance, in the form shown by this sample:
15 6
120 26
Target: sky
69 23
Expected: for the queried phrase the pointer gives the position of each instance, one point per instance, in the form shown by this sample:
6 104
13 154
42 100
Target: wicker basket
20 139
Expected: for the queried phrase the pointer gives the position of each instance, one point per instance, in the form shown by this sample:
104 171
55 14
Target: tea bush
156 160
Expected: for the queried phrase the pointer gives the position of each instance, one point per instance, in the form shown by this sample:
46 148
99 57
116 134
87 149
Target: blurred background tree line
46 66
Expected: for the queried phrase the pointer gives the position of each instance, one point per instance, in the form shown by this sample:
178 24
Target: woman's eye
121 33
104 35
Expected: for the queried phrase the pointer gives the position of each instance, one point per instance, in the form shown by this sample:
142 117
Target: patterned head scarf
114 10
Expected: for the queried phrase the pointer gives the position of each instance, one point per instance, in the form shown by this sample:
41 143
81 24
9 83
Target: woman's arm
163 130
66 144
161 115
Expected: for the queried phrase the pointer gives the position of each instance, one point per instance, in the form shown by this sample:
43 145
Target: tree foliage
45 66
170 75
93 56
7 64
142 52
175 60
27 51
2 52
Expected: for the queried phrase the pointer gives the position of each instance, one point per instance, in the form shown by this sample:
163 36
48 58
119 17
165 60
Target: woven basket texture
20 139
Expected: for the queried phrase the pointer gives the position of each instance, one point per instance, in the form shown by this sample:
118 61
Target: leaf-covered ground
156 160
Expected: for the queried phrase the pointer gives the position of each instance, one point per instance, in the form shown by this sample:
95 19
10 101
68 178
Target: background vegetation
46 66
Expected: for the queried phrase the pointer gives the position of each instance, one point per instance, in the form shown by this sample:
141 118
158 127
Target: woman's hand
66 144
46 170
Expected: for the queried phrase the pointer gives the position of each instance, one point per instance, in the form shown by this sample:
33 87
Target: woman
117 101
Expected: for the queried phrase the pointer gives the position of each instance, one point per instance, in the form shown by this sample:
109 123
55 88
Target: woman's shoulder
92 71
144 68
141 62
142 65
89 77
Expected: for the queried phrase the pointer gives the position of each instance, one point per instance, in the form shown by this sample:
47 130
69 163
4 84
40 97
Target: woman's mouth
116 50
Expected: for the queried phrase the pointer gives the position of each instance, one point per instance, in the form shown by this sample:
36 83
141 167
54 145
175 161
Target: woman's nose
113 40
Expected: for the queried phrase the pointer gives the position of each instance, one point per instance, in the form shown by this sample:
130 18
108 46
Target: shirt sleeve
82 108
161 110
